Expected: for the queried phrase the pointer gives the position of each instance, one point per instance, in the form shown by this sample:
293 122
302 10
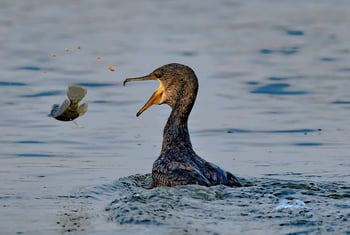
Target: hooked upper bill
157 96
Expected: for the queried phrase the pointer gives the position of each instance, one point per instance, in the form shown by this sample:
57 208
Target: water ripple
341 102
283 51
95 84
35 155
327 59
13 84
42 94
282 131
30 68
30 142
307 144
277 89
298 205
277 79
295 32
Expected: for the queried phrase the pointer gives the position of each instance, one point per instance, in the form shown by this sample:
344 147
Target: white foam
295 204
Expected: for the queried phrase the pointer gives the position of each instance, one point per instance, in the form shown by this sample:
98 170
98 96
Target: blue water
272 107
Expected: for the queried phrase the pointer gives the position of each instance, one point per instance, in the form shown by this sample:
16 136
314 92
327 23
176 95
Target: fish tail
76 94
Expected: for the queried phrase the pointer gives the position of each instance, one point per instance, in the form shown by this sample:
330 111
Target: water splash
284 206
294 204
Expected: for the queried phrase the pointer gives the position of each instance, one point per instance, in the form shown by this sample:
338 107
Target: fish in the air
70 108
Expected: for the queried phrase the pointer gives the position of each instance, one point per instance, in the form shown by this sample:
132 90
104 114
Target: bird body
178 164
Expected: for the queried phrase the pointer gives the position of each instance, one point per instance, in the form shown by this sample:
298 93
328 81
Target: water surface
273 108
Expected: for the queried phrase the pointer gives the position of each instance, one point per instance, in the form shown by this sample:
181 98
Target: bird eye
158 74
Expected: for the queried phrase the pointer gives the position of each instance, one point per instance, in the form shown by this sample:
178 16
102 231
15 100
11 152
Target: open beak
157 96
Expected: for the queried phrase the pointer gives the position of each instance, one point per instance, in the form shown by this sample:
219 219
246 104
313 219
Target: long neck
176 129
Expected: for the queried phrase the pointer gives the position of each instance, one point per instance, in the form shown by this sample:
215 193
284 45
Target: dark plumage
178 164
